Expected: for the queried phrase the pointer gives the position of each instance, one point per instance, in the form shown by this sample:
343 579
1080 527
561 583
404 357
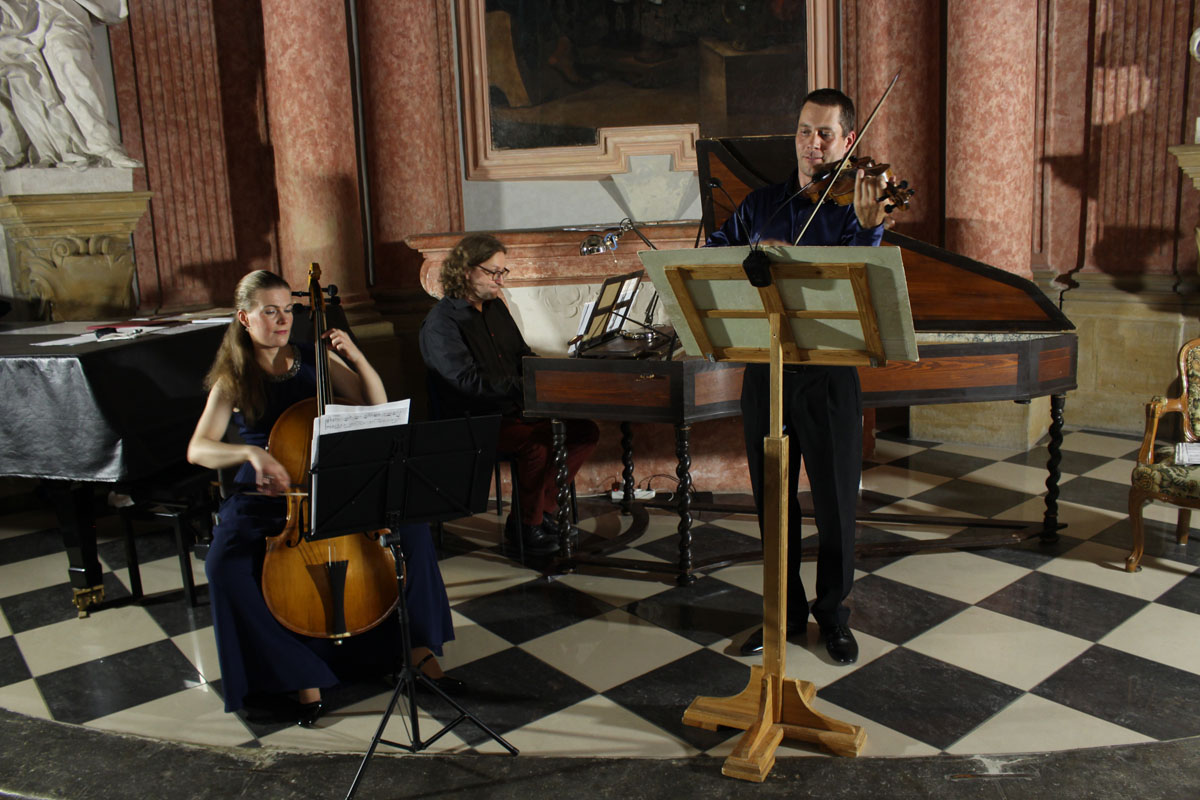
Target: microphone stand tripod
409 676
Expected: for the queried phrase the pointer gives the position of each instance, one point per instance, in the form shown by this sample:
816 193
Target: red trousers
530 442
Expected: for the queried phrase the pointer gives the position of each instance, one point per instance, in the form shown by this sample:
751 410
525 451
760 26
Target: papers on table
1187 453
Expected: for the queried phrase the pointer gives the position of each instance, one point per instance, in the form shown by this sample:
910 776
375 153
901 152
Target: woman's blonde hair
471 251
235 372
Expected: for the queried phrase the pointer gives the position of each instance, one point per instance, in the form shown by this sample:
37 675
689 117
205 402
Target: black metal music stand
422 472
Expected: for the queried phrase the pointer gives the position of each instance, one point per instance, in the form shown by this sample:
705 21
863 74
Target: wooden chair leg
1137 499
1183 525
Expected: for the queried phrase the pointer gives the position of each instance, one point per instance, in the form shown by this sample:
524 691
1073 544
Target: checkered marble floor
1011 649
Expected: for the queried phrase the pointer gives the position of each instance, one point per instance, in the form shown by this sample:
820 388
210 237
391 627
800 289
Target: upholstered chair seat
1156 475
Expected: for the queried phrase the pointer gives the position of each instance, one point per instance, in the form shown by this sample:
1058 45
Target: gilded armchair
1157 476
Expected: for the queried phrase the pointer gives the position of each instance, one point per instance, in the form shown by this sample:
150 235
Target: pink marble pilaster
991 71
311 121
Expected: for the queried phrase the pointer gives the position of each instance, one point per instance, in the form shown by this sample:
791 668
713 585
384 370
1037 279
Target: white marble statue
51 102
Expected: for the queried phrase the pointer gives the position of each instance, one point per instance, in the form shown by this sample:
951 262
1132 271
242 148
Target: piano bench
187 505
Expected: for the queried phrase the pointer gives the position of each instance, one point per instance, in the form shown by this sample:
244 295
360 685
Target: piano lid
948 291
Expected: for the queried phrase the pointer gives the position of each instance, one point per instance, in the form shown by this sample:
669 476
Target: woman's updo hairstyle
235 371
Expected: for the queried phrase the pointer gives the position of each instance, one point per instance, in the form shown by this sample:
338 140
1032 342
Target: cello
329 588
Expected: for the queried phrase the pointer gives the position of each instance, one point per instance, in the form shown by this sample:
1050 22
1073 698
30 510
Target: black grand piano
983 334
94 414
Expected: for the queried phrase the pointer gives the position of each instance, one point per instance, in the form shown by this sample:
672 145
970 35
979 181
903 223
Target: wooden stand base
768 709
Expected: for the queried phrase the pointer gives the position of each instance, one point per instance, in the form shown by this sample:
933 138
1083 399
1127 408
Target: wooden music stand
825 305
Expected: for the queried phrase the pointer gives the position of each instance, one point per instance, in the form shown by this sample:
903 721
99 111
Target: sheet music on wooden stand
824 305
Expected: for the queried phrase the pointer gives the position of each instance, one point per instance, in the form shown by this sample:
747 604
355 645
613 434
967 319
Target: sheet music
340 418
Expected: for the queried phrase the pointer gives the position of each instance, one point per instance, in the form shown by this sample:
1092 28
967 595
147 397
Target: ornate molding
74 252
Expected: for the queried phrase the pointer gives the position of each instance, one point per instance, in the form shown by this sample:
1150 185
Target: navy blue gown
255 652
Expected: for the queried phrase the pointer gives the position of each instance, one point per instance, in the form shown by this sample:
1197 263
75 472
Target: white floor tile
76 641
978 451
5 630
36 573
471 642
1032 724
1098 444
195 715
608 650
1000 647
1083 522
620 587
1100 565
889 450
24 697
964 576
1118 471
480 573
200 648
899 482
598 727
1018 477
1160 633
350 729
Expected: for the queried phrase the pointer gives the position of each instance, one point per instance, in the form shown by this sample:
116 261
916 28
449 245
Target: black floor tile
661 696
1096 493
175 615
1160 539
1078 609
53 604
970 497
451 544
922 697
113 683
151 543
941 462
1184 595
1142 695
705 612
867 536
532 609
1030 553
1072 463
708 542
505 691
30 545
13 668
896 612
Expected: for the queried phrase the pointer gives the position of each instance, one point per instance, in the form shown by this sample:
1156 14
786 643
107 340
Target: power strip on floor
638 494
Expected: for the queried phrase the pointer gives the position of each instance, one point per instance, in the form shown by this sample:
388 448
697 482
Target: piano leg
77 523
1049 533
627 484
683 471
558 440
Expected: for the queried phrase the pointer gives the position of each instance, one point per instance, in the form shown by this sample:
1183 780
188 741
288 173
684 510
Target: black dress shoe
537 540
840 643
550 523
310 713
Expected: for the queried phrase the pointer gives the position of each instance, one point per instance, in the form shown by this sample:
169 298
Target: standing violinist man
822 405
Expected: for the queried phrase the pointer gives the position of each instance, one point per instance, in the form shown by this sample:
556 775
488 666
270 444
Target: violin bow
850 152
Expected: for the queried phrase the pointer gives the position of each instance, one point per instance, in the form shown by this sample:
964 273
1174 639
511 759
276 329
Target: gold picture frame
610 155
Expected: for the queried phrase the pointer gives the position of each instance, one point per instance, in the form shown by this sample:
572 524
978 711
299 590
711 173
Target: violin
842 193
329 588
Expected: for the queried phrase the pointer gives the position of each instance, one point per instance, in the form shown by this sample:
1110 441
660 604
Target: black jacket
474 359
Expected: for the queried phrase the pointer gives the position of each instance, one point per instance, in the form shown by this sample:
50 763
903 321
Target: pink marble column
901 35
312 132
991 67
411 129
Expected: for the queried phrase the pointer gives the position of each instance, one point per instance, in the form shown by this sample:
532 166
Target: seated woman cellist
255 377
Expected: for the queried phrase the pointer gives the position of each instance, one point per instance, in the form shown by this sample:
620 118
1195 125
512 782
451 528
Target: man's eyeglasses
495 273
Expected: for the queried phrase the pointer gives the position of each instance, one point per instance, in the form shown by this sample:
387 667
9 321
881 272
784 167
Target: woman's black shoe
310 713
